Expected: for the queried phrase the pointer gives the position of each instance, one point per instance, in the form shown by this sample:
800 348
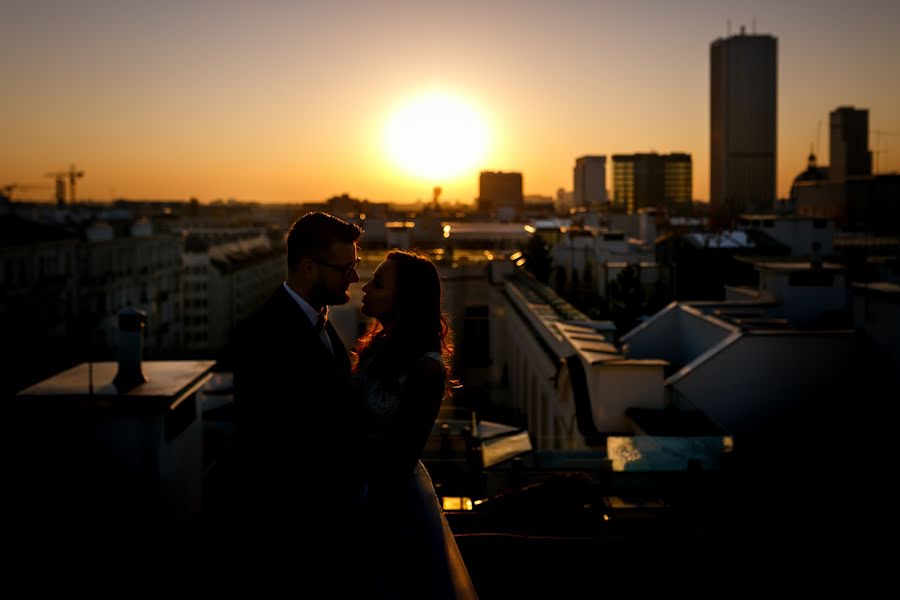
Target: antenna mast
818 137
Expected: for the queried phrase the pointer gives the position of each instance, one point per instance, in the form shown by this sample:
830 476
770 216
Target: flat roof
882 260
671 422
882 287
724 239
797 266
92 384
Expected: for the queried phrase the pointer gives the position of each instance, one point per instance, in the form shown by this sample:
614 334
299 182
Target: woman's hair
420 324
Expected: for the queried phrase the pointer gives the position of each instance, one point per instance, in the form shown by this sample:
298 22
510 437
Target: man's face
336 271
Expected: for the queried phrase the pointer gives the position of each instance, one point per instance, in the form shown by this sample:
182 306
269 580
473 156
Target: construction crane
6 191
878 133
60 177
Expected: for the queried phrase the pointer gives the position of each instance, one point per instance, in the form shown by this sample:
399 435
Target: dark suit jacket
298 430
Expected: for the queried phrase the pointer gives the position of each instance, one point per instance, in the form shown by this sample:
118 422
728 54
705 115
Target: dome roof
813 172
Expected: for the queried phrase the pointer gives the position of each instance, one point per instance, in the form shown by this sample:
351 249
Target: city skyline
287 102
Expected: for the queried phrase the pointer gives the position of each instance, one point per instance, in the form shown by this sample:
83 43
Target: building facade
650 180
39 317
743 122
498 191
590 181
849 144
559 369
142 270
224 283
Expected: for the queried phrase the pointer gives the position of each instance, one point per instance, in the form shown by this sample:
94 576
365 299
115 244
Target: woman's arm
418 408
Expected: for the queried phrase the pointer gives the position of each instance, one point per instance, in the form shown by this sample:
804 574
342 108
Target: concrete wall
677 334
805 304
531 374
699 333
765 375
800 234
615 387
878 315
533 353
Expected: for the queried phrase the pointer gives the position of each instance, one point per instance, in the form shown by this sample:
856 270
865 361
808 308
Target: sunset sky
292 101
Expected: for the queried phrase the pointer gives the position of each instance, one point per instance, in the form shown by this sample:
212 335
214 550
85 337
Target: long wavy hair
420 325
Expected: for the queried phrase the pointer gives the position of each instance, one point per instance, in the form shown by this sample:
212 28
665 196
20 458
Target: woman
401 376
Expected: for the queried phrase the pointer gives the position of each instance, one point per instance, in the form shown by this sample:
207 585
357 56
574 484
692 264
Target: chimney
131 342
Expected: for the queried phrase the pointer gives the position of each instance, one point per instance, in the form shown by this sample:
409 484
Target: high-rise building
678 174
498 190
650 180
743 110
850 153
590 181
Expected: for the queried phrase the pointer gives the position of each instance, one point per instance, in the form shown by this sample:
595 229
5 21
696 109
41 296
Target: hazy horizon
287 102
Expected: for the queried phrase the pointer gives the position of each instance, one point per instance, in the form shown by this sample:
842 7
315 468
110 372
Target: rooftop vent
131 343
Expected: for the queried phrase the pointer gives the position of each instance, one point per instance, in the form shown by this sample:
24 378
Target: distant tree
559 280
626 299
588 282
537 258
574 284
659 298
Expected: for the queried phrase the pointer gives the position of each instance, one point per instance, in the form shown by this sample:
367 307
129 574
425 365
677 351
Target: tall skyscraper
590 181
743 107
650 180
849 143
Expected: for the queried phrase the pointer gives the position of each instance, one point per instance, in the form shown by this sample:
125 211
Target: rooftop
880 287
769 265
725 239
676 498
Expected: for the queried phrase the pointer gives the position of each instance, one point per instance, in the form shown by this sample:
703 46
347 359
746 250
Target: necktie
320 329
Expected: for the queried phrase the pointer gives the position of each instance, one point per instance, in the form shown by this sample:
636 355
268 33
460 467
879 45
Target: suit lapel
293 311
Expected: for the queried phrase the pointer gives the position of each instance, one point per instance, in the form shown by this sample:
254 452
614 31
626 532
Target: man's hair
313 234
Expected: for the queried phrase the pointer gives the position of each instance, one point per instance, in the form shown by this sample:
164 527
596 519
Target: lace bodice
399 414
381 400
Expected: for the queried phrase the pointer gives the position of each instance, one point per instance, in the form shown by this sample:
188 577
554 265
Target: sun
436 136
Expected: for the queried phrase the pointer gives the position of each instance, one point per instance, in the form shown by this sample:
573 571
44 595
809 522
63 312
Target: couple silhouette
328 444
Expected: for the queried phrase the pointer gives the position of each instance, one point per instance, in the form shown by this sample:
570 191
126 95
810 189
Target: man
298 430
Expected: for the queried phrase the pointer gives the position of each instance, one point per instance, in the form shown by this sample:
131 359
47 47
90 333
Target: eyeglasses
345 270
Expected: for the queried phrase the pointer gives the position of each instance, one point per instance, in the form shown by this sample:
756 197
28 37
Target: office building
500 191
850 153
590 181
650 181
743 111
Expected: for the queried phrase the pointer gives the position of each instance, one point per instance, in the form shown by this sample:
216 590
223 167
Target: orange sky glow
292 101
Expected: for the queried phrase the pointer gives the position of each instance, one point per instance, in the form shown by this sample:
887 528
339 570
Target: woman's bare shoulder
428 367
